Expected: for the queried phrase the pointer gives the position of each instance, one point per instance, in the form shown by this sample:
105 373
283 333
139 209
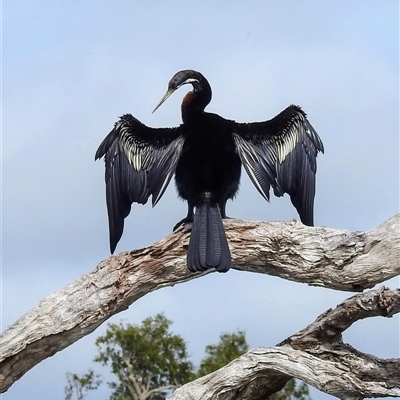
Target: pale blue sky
71 68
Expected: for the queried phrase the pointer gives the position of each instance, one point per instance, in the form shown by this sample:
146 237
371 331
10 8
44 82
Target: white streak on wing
163 187
178 144
129 154
288 143
132 149
250 171
132 153
137 164
249 158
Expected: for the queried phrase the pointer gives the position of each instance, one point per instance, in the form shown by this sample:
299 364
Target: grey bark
336 259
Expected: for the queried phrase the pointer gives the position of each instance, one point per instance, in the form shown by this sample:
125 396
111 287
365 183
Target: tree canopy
229 347
149 361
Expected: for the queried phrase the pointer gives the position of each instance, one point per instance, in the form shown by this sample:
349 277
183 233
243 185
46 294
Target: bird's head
199 83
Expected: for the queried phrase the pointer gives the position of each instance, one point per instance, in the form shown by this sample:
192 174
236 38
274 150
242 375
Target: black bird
206 153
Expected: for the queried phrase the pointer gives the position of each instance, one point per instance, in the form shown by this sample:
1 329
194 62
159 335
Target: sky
70 69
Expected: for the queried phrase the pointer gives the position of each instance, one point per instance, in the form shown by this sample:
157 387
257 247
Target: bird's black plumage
206 153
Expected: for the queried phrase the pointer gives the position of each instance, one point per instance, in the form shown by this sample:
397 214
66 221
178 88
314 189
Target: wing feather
282 153
139 163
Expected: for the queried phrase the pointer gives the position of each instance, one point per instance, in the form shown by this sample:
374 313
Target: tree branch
315 355
332 258
329 326
135 388
335 259
161 389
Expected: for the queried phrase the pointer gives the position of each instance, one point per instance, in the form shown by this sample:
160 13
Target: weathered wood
335 259
315 355
332 258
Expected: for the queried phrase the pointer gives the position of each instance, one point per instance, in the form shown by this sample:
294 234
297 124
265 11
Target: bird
206 154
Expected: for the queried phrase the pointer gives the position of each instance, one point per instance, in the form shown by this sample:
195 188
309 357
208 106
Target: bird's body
209 161
206 153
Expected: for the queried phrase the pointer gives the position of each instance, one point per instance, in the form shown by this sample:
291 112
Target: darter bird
206 153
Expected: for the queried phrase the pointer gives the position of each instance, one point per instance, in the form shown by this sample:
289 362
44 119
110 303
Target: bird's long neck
195 102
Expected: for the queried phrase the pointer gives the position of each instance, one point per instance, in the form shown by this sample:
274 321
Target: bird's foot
226 217
183 221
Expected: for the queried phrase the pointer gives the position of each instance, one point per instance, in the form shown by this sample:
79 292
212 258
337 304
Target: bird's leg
189 217
222 206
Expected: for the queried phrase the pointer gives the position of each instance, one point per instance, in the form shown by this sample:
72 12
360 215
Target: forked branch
315 355
335 259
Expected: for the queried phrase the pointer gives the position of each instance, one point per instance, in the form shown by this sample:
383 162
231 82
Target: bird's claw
182 222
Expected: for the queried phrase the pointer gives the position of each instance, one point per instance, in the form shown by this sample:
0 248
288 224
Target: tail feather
208 246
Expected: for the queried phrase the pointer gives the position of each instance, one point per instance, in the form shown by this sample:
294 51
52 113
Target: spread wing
139 162
282 153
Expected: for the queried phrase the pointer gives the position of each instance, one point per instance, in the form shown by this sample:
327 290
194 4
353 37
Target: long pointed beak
169 92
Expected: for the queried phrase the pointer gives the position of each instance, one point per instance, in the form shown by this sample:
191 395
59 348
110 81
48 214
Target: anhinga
206 153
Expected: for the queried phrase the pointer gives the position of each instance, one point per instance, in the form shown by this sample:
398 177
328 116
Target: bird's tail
208 247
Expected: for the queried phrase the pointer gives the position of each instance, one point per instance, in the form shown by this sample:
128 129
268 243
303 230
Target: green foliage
230 346
146 357
148 361
80 385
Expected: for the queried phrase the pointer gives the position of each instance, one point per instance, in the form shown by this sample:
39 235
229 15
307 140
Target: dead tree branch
316 355
335 259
